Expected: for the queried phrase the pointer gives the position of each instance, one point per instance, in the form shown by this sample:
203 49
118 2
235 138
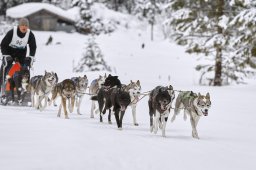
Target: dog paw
120 128
66 117
92 116
109 122
173 118
136 124
151 129
29 104
71 110
195 135
11 102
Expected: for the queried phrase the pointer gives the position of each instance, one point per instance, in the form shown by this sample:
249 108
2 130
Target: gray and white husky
160 102
134 89
194 105
40 87
81 84
93 90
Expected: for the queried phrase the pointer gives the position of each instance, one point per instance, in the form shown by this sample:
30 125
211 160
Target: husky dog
103 96
120 99
160 101
94 89
194 105
67 91
40 87
133 89
20 80
81 84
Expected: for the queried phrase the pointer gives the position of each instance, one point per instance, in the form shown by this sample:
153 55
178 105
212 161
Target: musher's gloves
32 60
8 77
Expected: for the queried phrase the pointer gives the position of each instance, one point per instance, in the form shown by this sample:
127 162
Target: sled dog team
108 94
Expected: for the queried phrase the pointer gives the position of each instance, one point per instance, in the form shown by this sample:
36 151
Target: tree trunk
152 32
218 60
218 67
116 5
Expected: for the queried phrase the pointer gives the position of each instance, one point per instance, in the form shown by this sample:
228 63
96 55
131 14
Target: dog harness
190 97
17 42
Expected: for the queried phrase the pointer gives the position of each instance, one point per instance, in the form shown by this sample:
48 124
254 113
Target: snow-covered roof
27 9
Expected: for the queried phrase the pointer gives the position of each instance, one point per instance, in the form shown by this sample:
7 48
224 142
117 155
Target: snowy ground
34 140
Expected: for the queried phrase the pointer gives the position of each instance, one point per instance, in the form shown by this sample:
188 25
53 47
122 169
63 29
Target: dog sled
15 85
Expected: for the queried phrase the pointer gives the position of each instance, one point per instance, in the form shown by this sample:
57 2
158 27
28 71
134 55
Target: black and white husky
134 90
160 102
194 105
104 95
93 90
81 84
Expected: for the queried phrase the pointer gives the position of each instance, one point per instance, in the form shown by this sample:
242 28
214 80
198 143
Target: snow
30 139
27 9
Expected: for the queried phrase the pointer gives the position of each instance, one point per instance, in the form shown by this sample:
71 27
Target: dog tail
94 98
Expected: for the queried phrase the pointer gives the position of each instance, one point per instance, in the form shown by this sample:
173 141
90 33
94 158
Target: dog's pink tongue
122 108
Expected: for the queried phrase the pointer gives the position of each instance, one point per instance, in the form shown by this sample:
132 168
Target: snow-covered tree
244 41
57 3
203 26
92 59
5 4
89 23
85 24
148 9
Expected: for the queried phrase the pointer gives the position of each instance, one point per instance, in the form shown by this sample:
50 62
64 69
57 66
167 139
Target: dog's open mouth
205 113
163 109
50 80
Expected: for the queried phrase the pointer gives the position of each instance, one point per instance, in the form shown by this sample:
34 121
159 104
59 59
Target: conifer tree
203 26
92 59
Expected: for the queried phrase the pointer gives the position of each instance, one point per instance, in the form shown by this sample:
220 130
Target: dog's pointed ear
138 82
123 87
208 95
45 71
170 87
131 81
160 90
109 75
85 76
100 77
